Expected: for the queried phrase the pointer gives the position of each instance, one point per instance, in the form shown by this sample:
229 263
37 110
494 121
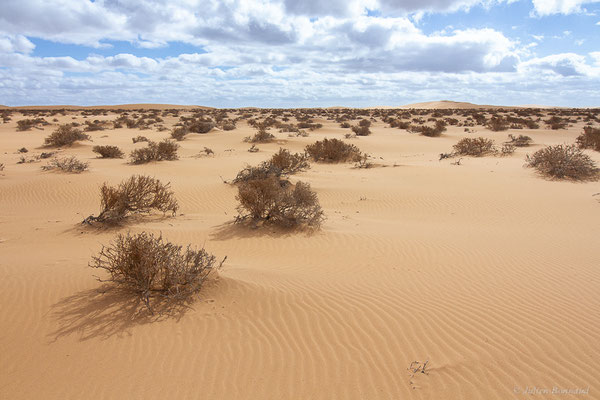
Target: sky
292 53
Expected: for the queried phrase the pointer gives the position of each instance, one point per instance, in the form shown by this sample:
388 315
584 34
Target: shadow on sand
107 311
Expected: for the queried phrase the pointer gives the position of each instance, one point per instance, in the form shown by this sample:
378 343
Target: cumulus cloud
564 64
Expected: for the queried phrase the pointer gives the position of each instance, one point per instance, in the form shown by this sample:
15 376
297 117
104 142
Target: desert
439 250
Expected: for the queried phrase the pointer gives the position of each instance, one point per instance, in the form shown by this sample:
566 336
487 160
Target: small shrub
229 127
520 141
108 151
276 201
200 126
23 150
161 151
345 125
563 162
289 163
333 151
262 136
139 139
497 124
474 147
507 149
179 133
138 194
154 269
67 164
65 135
589 139
361 130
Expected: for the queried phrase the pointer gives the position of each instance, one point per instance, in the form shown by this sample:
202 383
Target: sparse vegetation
589 139
108 151
161 151
262 136
67 164
179 133
65 135
333 151
154 269
138 139
563 162
520 141
138 194
476 147
276 201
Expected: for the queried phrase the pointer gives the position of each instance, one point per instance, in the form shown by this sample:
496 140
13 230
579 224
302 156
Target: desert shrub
333 150
67 164
138 194
474 147
289 163
1 167
262 136
108 151
563 162
361 130
589 139
278 202
429 131
497 124
520 141
27 124
139 139
345 125
201 126
154 269
556 122
161 151
229 127
65 135
364 122
179 133
507 149
23 150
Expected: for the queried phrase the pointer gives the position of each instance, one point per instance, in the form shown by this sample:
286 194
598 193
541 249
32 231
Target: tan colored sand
485 269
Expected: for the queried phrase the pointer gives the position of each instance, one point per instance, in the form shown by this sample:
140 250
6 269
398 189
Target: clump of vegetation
497 124
154 269
161 151
520 141
333 151
65 135
138 194
139 139
179 133
67 164
362 129
1 167
474 147
589 139
507 149
556 122
262 136
563 162
276 201
23 150
201 126
289 163
27 124
435 131
108 151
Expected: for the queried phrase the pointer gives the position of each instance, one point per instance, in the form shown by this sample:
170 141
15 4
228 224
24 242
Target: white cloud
549 7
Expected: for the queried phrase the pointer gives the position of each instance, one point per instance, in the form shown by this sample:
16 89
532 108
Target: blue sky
288 53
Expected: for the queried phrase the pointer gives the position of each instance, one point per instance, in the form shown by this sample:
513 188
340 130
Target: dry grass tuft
67 164
477 147
161 151
333 151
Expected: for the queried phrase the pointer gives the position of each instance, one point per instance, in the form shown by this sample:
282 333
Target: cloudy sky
299 53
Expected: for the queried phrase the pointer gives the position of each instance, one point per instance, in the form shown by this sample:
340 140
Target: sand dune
485 269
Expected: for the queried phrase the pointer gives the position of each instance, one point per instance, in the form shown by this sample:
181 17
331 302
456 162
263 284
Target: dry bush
138 194
27 124
161 151
108 151
139 139
179 133
333 151
289 163
435 131
156 270
520 141
228 126
507 149
497 124
67 164
361 130
345 125
276 201
262 136
201 126
563 162
589 139
474 147
65 135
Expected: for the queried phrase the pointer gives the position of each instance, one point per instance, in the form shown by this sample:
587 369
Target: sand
486 270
